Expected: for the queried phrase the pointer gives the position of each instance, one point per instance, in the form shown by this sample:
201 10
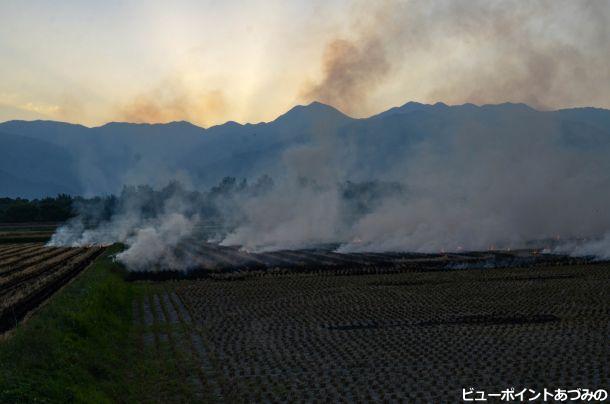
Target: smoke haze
461 177
421 179
174 100
473 187
535 52
248 62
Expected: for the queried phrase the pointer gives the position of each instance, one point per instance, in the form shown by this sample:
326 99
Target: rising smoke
174 100
474 187
544 53
495 177
470 182
150 222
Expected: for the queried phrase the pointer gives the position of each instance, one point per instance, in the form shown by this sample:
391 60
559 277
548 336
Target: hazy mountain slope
98 160
117 153
595 116
410 106
251 150
15 187
58 133
34 168
380 142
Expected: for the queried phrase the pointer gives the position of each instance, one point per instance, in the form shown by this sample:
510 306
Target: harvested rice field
26 232
31 272
411 336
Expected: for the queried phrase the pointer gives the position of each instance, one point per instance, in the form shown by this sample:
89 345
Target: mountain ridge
106 157
298 107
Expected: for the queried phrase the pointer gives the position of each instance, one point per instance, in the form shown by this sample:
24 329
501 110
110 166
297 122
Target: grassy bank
77 347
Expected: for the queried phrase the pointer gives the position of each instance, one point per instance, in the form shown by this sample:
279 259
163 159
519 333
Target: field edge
77 346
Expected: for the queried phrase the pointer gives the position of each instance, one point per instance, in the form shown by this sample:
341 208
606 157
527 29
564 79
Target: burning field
210 321
391 201
207 260
202 321
316 324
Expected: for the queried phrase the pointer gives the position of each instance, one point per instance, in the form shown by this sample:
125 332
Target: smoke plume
459 178
444 179
543 53
351 69
174 100
151 223
502 177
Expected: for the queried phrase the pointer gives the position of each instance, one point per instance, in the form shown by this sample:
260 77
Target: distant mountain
250 150
313 116
34 168
40 158
410 106
15 187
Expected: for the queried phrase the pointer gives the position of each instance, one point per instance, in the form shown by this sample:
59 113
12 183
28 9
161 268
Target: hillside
40 158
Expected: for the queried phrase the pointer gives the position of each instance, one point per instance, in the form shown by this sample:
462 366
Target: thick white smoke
476 186
487 189
466 181
598 248
150 226
154 246
290 217
304 208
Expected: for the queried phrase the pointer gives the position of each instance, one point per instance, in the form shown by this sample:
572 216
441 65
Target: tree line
359 198
51 209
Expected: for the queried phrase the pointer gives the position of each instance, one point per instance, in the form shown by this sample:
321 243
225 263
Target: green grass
78 347
83 346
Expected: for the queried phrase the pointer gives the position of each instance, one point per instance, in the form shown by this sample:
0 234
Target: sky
91 62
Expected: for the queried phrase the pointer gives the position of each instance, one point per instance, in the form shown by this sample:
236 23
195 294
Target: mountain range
44 158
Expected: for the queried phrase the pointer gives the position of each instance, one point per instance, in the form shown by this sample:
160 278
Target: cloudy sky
91 62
